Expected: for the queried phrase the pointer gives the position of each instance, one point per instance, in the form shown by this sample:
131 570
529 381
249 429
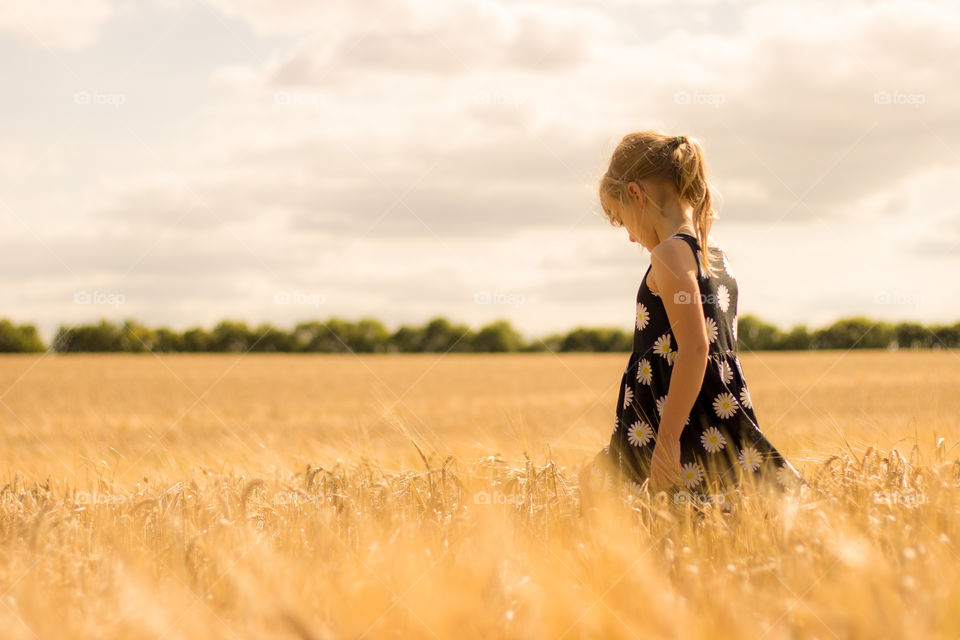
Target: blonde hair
676 160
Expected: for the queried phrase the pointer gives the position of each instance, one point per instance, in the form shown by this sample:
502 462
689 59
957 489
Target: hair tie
681 139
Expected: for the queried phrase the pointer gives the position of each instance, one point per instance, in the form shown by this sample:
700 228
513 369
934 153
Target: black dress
721 441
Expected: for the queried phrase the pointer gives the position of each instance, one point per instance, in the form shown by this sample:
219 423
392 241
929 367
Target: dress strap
695 246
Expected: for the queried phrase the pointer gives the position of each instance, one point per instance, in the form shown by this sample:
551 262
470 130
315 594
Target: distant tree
337 335
854 333
268 339
552 342
947 336
332 336
230 335
797 338
104 336
602 339
498 336
167 340
197 340
406 339
912 335
753 334
136 338
19 338
441 336
368 335
580 339
614 340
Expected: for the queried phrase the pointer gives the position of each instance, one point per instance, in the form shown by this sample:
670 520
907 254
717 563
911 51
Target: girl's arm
674 269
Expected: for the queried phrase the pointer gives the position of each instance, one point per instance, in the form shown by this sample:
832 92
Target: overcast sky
276 160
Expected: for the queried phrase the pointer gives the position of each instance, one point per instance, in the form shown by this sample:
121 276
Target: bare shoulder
673 260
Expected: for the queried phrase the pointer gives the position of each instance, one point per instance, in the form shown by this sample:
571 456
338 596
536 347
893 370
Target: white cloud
433 150
56 24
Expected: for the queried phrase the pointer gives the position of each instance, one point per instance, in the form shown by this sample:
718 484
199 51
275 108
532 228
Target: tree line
368 335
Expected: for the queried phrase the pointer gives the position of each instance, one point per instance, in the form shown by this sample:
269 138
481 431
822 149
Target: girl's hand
665 465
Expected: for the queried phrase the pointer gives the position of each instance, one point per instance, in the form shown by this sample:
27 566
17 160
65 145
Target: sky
180 163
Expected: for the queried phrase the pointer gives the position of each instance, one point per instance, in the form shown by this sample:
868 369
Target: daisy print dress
721 440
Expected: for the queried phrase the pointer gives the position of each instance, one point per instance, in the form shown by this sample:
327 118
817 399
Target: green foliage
854 333
754 334
597 340
19 338
196 339
104 336
439 335
498 336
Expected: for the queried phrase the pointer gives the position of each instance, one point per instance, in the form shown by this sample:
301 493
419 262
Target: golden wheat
429 496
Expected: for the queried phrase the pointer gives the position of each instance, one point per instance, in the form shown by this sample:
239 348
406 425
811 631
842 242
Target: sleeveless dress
721 441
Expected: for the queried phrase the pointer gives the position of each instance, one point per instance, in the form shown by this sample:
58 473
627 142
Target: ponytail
695 188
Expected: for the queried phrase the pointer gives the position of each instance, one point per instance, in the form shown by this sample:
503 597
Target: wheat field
436 496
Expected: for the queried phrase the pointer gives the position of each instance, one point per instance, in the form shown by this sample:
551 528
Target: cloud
55 24
381 146
448 40
789 115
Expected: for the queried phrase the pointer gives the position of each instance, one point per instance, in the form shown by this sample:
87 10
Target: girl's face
633 218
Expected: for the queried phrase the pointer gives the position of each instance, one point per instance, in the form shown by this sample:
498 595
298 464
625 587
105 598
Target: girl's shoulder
673 252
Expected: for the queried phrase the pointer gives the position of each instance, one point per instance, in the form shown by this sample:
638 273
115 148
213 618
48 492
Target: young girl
684 415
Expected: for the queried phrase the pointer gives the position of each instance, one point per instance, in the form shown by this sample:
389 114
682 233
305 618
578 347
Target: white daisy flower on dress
726 373
640 433
671 357
787 475
726 266
662 345
643 316
627 396
691 474
644 372
723 298
745 398
725 405
749 458
712 329
712 440
703 266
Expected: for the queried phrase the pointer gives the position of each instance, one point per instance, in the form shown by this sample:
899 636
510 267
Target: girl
684 414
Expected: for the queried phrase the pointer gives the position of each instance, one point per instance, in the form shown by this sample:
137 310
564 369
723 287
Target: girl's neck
676 217
670 228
